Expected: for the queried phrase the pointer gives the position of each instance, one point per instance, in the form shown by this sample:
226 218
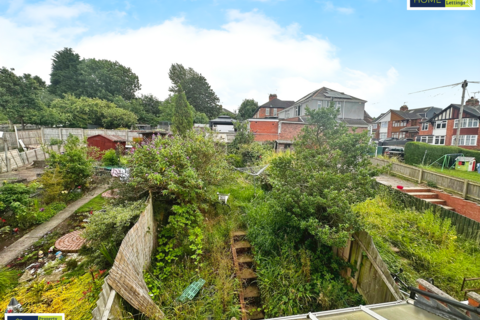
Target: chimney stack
271 97
404 108
472 102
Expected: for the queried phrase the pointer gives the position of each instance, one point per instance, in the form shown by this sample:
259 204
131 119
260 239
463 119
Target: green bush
110 158
8 278
15 202
55 141
415 151
106 230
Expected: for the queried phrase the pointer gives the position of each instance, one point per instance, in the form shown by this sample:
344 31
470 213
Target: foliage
178 170
247 109
329 171
105 79
182 116
74 165
75 297
146 109
95 204
8 279
197 90
106 230
19 96
110 158
290 285
243 135
216 299
53 184
200 118
118 118
15 202
64 78
415 151
426 246
55 142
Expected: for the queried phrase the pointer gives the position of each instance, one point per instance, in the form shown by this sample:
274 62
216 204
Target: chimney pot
404 108
271 97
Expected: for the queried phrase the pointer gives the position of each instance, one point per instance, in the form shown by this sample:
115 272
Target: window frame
267 111
439 140
441 124
423 126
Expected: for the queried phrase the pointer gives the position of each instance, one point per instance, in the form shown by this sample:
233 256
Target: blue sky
376 50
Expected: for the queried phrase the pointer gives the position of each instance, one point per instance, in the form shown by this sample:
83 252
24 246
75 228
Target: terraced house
404 123
443 126
292 119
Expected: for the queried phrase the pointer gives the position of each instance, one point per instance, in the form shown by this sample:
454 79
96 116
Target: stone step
424 195
247 274
245 259
251 291
436 201
416 189
254 314
242 246
239 233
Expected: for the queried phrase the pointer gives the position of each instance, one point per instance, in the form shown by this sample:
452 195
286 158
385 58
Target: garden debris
191 290
14 306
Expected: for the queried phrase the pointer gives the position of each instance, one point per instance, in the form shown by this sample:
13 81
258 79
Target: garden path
12 251
394 181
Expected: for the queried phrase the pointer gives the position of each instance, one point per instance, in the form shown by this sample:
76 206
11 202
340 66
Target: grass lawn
474 175
95 204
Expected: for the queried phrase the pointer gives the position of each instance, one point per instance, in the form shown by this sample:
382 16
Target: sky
375 50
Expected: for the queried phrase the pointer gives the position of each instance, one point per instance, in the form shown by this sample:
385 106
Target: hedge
414 152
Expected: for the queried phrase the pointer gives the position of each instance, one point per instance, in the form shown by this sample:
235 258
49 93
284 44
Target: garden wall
48 134
134 256
372 278
15 159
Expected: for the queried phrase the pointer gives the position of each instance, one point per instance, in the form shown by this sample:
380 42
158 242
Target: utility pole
457 138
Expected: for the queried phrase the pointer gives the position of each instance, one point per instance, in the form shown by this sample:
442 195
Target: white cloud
250 56
329 6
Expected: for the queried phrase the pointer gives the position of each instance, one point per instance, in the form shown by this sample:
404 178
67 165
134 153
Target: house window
383 136
338 105
468 140
384 124
395 135
426 139
298 110
440 140
401 135
374 126
425 126
274 112
467 123
441 125
319 104
267 111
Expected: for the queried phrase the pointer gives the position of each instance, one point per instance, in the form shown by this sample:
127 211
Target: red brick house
271 108
442 127
404 123
292 119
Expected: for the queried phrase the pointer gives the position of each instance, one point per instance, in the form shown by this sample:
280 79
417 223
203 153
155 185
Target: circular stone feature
71 242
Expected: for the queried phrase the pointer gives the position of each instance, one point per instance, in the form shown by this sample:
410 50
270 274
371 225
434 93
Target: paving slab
394 181
12 251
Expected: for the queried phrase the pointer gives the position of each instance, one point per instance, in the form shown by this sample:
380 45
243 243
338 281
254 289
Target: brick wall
290 130
264 130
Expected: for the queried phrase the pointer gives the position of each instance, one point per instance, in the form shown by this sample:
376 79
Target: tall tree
247 109
182 117
64 77
105 79
197 90
20 96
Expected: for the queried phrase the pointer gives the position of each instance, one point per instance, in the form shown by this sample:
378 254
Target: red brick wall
261 113
389 129
290 130
264 130
464 131
464 207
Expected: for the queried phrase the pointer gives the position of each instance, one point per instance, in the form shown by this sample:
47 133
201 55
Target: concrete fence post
420 176
42 135
465 188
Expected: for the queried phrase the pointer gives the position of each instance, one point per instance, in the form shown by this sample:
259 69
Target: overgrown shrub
55 142
53 185
415 153
74 165
8 279
15 203
110 158
106 230
425 245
